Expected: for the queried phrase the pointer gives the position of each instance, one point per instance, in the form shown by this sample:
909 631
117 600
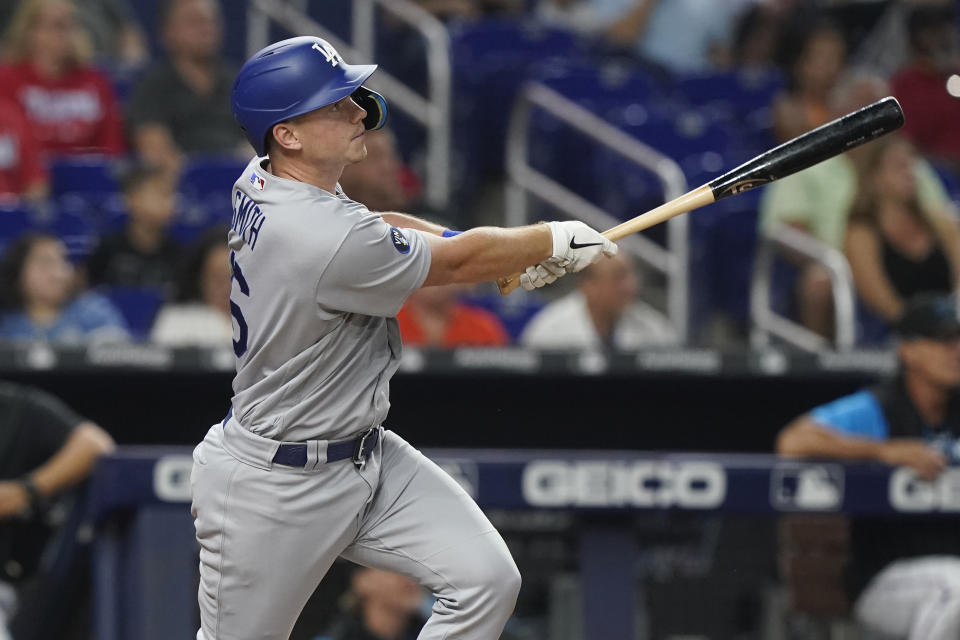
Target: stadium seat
951 181
139 306
196 216
76 231
92 174
491 60
14 220
514 312
723 238
207 174
741 99
736 92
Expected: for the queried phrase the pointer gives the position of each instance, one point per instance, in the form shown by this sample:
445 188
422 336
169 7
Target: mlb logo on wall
806 487
256 181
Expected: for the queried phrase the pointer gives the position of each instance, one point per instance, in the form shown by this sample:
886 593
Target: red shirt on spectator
468 327
75 113
931 113
21 165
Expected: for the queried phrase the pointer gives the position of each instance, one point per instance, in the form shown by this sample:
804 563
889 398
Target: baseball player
301 470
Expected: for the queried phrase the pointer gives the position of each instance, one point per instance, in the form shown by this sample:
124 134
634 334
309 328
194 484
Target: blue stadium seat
196 216
737 92
680 135
514 312
740 98
93 175
14 221
871 329
491 60
723 239
950 179
207 174
139 306
608 90
111 214
76 231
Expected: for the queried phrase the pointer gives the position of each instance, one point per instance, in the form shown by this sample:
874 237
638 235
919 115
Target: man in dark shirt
45 448
905 572
182 105
143 254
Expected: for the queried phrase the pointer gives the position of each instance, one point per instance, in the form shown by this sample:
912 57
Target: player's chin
358 151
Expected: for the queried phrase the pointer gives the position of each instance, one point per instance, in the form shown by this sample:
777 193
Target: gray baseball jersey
317 279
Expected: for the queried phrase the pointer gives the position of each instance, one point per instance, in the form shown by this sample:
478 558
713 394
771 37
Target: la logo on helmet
328 52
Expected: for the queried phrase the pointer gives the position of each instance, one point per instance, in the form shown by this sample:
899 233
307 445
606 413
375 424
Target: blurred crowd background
118 151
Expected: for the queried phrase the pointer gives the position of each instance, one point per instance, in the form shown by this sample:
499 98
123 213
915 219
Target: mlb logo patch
806 487
256 181
399 240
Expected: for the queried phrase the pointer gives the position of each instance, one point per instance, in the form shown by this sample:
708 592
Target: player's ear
286 136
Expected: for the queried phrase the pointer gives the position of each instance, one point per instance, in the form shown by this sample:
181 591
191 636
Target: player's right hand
576 246
540 275
916 454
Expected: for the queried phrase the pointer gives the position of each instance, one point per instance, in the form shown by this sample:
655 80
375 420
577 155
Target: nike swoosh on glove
576 246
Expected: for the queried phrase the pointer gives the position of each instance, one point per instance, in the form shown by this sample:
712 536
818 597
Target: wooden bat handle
687 202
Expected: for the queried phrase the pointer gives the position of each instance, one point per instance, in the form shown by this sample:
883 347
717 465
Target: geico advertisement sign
910 493
171 478
691 485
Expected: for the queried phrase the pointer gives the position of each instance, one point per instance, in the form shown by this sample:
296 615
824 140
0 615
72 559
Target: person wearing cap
904 573
303 469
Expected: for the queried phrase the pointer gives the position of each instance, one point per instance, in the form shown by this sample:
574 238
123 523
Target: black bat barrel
815 146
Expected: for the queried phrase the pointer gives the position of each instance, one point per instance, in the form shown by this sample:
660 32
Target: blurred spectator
903 572
886 47
142 254
435 317
590 17
112 28
682 36
36 294
182 105
757 32
895 251
381 181
813 54
23 173
115 33
929 87
817 201
201 314
604 311
380 605
70 105
47 448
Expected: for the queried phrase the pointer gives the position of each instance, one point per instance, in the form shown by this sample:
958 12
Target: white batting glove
540 275
576 246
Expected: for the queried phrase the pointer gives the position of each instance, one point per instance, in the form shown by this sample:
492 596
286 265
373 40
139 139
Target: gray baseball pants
268 533
917 599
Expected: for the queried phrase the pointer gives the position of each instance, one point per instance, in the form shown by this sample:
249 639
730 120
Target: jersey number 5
240 344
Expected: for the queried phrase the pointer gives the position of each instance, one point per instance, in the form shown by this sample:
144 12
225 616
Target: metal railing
432 111
523 180
765 322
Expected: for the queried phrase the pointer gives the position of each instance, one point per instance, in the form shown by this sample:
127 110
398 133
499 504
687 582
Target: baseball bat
806 150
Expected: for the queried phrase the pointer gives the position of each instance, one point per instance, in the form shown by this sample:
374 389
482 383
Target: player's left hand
540 275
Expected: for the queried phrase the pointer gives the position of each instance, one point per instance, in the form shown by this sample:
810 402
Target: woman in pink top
70 104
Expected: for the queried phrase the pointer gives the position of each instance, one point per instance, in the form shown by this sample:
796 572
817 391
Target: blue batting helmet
293 77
